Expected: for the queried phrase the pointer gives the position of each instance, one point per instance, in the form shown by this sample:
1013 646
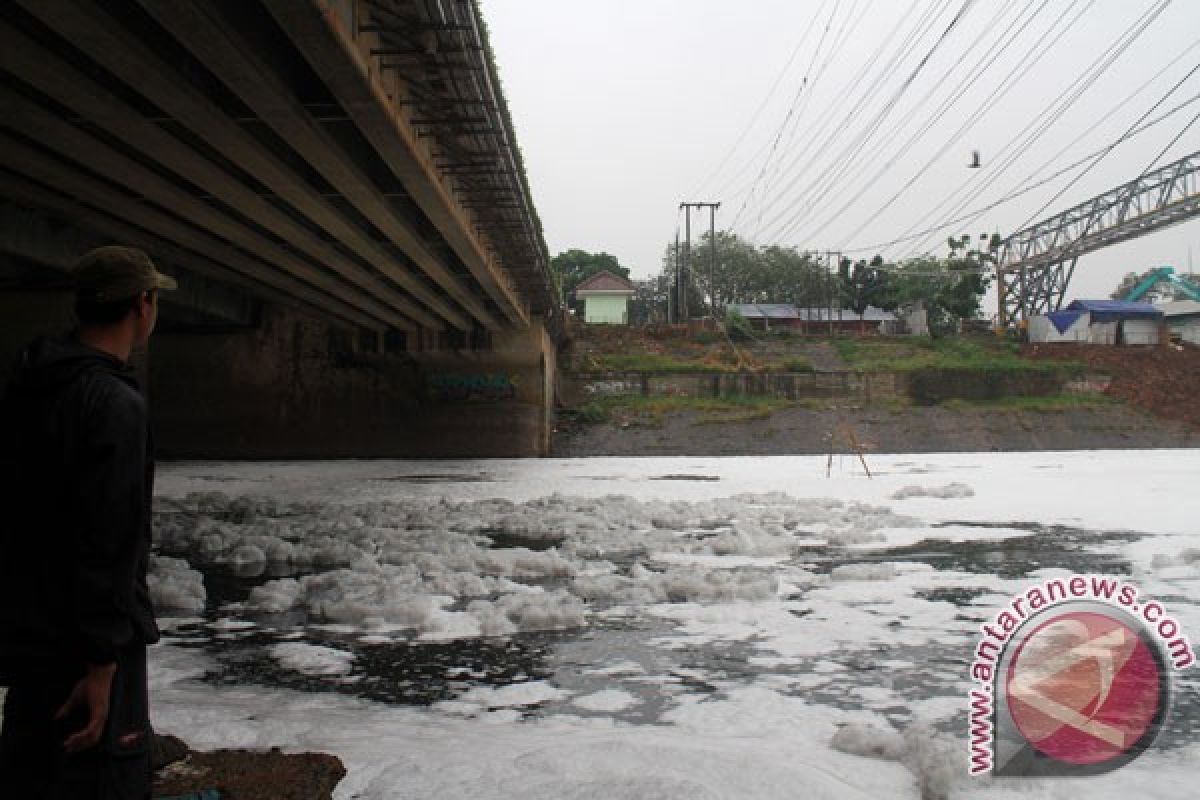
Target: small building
1183 319
605 299
1108 322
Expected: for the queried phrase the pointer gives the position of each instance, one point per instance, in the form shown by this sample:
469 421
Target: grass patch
733 408
650 362
791 364
957 352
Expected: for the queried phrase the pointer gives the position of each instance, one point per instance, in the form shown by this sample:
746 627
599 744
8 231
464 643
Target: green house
605 299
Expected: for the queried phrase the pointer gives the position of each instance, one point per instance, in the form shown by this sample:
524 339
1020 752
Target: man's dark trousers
33 763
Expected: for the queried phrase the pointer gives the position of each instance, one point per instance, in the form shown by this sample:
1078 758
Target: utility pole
673 284
829 289
686 270
712 234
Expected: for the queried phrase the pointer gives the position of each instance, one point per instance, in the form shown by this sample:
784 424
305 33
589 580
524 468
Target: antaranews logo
1073 678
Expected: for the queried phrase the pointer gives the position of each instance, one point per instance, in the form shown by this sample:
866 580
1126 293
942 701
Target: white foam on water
311 659
733 565
610 700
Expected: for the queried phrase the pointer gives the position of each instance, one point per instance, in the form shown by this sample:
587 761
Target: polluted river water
657 627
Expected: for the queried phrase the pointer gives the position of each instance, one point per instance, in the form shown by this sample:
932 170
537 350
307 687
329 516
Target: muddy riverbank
804 431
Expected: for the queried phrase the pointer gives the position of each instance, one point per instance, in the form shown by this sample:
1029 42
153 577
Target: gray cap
115 273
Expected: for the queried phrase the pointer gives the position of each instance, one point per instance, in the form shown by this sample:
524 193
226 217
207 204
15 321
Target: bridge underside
335 184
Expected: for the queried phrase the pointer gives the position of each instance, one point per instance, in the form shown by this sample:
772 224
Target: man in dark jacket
75 613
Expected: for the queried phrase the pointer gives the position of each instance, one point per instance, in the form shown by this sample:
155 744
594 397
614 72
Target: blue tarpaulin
1115 310
1063 320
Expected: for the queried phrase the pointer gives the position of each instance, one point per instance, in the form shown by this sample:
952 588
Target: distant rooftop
783 311
605 282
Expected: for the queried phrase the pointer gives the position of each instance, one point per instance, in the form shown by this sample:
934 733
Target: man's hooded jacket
77 477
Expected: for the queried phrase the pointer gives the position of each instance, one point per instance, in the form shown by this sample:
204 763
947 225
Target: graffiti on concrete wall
473 388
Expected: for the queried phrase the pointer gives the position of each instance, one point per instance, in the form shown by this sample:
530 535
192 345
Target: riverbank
914 429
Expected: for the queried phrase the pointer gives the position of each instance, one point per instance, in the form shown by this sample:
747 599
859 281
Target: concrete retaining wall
865 387
927 386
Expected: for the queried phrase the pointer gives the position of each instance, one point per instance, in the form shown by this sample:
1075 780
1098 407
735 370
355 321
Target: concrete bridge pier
293 387
232 377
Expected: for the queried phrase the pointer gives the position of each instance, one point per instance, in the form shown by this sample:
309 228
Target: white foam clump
313 660
516 695
919 748
678 584
397 597
606 700
436 568
863 572
174 585
207 528
950 491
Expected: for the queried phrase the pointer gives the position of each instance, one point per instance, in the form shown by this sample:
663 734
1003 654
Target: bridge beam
249 76
344 64
256 278
117 49
51 75
25 159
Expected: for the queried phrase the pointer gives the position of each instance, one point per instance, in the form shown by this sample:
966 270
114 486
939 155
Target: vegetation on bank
637 410
911 354
732 408
679 364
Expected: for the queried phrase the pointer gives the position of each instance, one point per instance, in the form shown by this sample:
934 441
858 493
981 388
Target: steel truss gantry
1035 265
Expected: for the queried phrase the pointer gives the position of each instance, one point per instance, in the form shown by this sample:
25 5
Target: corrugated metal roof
1179 308
814 314
1118 308
764 310
871 314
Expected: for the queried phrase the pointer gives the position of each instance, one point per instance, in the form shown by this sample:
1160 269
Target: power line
923 24
751 185
1037 214
1119 106
807 95
1170 144
787 118
799 166
763 105
856 148
1010 81
1036 128
1012 195
972 75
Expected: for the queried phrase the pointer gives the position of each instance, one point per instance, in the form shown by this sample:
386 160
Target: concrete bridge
337 187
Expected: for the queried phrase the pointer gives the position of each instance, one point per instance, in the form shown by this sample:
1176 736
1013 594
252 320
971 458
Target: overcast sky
795 115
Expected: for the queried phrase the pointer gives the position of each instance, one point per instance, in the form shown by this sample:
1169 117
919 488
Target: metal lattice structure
1035 265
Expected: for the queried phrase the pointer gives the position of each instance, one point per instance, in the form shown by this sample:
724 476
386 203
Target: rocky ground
244 775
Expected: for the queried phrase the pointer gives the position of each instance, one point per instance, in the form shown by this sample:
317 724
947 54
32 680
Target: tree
573 267
951 289
649 303
862 282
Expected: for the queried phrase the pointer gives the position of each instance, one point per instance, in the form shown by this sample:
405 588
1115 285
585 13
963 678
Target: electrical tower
1035 265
